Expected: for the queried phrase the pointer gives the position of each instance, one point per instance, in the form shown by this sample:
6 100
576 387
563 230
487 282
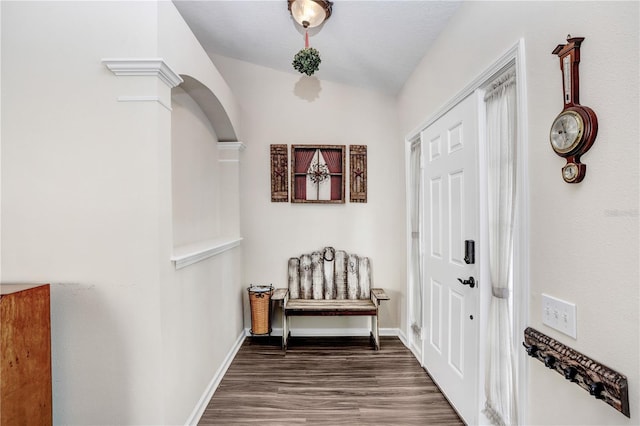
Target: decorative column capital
144 67
237 146
230 151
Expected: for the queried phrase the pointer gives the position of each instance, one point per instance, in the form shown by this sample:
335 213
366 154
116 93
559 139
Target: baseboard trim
322 332
391 332
402 337
215 381
414 351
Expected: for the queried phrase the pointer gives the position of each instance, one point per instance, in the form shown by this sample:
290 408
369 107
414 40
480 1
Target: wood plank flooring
327 381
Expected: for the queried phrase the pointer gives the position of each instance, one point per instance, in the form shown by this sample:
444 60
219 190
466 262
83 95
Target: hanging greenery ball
307 61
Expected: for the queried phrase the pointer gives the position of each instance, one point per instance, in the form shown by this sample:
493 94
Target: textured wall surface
285 108
86 206
583 239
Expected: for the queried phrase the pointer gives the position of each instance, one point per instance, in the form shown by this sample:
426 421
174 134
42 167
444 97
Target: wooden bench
316 293
311 307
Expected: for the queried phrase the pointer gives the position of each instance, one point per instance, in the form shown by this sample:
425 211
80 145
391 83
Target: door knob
471 282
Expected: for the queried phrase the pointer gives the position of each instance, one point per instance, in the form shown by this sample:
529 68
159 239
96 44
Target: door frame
410 342
513 57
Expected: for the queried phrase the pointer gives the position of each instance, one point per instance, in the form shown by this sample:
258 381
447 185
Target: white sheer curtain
500 389
416 259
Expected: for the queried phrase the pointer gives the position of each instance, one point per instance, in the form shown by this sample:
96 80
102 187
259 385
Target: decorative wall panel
358 178
436 315
435 225
456 331
279 173
456 217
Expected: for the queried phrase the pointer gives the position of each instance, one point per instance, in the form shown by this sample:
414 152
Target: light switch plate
560 315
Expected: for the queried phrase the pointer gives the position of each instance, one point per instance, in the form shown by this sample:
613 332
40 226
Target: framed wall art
279 173
317 173
358 175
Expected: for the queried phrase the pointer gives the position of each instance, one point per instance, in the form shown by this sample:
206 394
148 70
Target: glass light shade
308 13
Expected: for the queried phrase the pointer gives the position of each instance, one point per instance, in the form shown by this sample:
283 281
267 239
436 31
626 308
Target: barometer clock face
567 132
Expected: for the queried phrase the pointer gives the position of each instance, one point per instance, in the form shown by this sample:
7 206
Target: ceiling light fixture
310 13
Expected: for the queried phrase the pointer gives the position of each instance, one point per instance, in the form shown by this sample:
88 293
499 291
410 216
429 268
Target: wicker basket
260 301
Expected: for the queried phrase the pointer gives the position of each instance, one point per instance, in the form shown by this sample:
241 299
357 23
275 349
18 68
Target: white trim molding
238 146
144 67
192 253
522 241
230 151
402 337
215 382
515 54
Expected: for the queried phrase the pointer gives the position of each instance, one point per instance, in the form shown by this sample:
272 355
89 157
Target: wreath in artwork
318 172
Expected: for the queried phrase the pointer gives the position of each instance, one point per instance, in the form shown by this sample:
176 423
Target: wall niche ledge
189 254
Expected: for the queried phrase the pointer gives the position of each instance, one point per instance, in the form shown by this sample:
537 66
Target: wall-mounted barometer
574 130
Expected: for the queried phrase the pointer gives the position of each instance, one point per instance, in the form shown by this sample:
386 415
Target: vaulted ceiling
371 44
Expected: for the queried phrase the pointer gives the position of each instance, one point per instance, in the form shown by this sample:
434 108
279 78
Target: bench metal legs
375 332
285 331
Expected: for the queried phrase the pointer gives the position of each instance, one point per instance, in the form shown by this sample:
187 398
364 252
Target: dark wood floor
330 381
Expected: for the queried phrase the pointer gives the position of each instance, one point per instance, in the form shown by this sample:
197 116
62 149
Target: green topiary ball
307 61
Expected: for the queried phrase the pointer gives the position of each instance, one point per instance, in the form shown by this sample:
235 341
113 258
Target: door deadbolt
469 252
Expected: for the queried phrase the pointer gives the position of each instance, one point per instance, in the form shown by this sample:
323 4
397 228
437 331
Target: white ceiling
372 44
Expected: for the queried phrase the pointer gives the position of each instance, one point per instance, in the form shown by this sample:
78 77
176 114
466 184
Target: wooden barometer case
574 130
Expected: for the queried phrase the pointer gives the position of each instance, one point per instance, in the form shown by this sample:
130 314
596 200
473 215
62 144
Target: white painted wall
195 177
80 199
87 205
584 238
201 304
180 48
194 342
283 108
0 148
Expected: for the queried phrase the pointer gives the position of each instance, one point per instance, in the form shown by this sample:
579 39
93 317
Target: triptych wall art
318 173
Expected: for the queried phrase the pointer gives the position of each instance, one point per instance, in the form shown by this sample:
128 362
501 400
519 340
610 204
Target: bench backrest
329 274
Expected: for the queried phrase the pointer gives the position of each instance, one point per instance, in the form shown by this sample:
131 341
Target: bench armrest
279 294
378 294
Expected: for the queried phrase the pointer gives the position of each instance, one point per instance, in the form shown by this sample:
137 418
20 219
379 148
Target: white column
229 160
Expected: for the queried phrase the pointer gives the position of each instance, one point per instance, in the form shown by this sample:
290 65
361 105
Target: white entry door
450 348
